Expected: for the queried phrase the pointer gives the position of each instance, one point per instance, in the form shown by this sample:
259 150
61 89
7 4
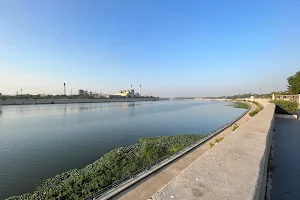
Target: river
40 141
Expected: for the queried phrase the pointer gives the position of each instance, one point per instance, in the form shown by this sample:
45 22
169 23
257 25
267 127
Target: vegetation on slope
285 107
113 166
257 110
254 112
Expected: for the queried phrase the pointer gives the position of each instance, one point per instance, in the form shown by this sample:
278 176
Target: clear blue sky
171 47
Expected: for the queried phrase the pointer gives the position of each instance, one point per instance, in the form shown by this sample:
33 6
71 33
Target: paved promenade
150 185
286 163
235 169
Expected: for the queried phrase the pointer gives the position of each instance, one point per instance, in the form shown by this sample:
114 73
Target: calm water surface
40 141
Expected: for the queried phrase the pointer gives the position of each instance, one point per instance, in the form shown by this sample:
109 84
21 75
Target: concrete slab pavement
286 160
235 169
151 184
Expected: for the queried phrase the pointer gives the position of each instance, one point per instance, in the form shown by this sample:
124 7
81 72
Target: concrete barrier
234 169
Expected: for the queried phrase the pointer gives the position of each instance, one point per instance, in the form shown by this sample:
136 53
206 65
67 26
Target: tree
294 83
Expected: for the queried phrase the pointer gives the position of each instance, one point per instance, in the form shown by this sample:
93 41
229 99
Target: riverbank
78 134
113 166
71 101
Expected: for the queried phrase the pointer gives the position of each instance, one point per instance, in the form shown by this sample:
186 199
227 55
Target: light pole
260 91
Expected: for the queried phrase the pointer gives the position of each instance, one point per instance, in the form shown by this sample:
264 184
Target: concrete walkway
286 163
151 184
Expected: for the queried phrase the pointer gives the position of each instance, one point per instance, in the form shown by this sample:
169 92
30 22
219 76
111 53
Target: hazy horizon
171 48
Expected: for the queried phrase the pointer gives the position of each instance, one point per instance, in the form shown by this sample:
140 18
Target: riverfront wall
69 101
236 168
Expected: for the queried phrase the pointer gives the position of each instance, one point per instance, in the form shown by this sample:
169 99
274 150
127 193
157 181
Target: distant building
80 92
122 94
83 92
126 93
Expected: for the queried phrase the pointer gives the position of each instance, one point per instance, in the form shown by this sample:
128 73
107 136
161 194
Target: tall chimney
140 90
64 88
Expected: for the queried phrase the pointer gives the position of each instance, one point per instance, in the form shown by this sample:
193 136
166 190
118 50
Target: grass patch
241 105
217 140
235 126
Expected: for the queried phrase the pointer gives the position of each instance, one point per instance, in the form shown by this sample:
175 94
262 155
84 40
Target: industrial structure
126 94
140 90
64 89
82 92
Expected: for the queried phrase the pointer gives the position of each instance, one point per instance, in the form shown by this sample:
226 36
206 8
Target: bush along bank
257 110
111 167
285 107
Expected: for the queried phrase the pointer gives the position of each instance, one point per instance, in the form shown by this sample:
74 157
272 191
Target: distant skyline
170 47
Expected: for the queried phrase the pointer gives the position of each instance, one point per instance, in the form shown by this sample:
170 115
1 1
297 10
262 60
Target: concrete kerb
286 116
261 187
110 193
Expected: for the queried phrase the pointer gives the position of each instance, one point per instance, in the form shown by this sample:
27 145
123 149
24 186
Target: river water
40 141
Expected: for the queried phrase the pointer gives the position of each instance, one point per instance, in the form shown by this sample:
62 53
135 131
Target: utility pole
260 91
21 91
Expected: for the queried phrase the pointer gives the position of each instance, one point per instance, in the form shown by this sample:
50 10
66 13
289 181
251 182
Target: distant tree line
293 88
40 96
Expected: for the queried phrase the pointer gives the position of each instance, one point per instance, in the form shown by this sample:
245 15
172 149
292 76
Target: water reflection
130 107
33 137
20 110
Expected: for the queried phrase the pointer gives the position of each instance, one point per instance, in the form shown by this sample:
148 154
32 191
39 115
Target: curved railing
128 181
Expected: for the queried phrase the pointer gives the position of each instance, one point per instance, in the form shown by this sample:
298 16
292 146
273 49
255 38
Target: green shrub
257 110
235 126
285 107
254 112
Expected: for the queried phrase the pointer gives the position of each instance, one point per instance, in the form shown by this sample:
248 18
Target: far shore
71 101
